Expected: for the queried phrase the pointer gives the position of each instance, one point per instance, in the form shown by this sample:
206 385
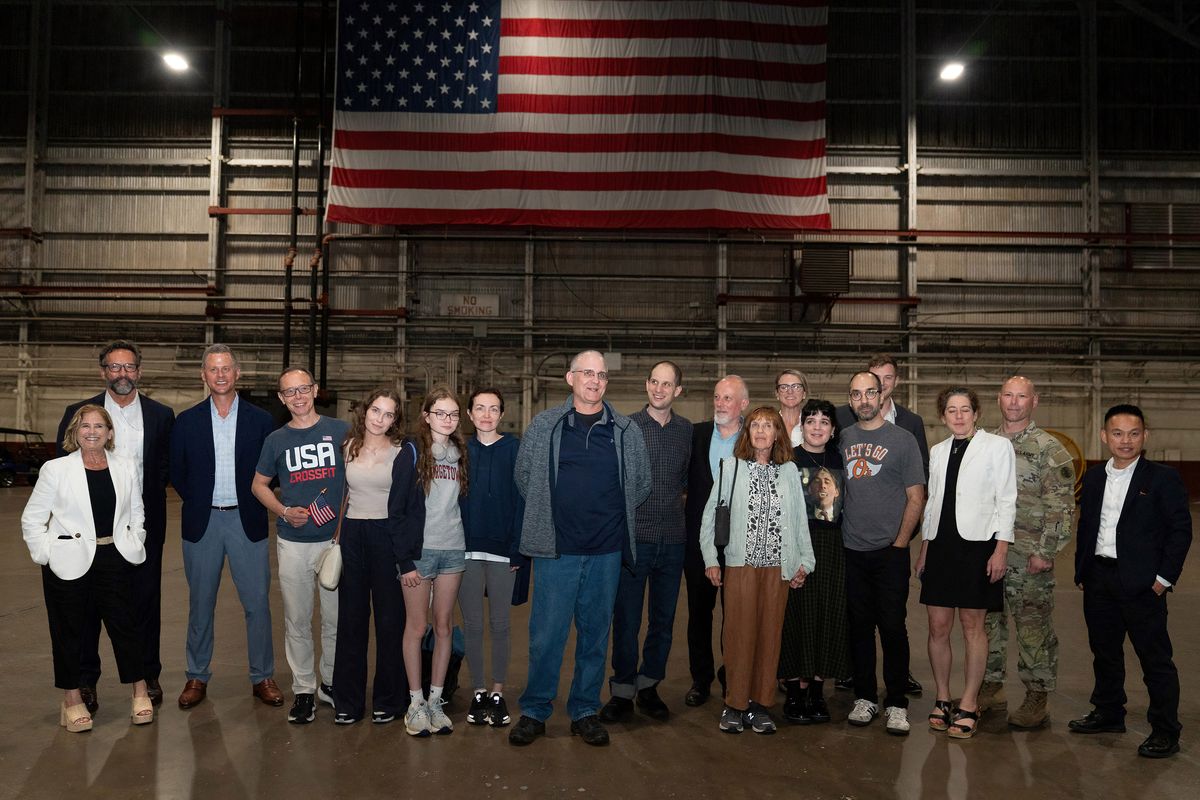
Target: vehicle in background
22 454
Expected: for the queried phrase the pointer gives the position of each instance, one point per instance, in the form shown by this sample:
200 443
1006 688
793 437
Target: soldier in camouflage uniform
1045 504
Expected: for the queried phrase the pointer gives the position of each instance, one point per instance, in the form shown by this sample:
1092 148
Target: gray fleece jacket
537 470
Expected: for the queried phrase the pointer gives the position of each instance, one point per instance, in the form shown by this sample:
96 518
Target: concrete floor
232 747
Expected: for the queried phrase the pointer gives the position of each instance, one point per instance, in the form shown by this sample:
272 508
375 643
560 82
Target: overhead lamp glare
952 71
175 62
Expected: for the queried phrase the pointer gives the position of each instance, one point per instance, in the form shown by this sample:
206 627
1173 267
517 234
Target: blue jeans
249 563
661 566
582 588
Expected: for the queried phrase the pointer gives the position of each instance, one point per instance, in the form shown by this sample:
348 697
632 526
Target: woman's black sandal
939 718
959 731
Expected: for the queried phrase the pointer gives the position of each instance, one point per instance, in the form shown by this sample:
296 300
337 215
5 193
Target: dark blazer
700 480
157 420
194 466
1153 532
905 419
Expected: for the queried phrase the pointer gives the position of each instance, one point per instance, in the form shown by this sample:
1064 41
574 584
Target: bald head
1018 398
730 400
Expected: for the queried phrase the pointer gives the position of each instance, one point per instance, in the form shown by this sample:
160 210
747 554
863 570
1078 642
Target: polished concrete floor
233 747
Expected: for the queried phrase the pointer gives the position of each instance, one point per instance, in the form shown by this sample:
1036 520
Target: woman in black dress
967 527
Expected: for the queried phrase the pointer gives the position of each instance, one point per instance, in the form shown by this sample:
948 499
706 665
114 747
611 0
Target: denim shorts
440 562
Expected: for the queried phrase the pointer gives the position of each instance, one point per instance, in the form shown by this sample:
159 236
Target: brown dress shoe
268 691
194 692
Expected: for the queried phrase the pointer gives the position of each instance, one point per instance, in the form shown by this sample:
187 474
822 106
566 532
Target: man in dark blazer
883 366
142 429
711 441
215 446
1134 532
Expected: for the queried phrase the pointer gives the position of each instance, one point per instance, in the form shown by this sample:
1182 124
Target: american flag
319 510
581 113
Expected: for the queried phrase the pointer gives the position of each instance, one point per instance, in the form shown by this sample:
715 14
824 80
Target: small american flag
319 510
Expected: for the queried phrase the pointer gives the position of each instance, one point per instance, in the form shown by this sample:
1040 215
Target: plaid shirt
660 518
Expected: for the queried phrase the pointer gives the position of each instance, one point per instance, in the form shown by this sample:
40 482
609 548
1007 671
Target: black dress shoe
696 695
525 731
1095 722
90 699
154 689
617 709
844 684
590 730
1158 745
913 687
652 705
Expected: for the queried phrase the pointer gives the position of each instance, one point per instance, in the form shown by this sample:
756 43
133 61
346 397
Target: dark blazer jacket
157 421
700 481
194 466
904 419
1154 530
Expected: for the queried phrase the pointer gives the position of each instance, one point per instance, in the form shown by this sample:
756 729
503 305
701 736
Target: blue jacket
493 509
406 509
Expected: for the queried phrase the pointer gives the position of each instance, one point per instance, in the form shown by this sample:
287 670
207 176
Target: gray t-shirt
879 466
307 460
443 518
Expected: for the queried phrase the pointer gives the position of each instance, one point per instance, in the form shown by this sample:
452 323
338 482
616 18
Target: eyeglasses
591 373
790 387
295 390
870 394
445 415
118 368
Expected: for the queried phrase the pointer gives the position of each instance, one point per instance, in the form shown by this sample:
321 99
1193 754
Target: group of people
798 517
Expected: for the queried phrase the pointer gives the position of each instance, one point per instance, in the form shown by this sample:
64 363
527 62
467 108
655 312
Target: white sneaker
416 719
863 712
897 720
439 723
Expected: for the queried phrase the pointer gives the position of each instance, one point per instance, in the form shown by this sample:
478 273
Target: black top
104 500
949 522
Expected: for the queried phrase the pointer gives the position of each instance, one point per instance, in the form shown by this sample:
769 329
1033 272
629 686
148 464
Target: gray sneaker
897 720
439 723
731 720
759 720
863 712
416 719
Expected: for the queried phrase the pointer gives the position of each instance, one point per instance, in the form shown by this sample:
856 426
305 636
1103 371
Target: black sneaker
342 718
382 717
651 704
499 717
303 710
617 709
525 731
325 694
590 730
477 714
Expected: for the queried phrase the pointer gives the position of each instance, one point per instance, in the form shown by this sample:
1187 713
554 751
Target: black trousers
147 599
1112 613
701 600
877 597
369 582
104 592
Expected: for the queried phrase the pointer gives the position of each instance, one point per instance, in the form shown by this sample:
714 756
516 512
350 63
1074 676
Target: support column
1090 147
722 308
216 170
527 339
909 221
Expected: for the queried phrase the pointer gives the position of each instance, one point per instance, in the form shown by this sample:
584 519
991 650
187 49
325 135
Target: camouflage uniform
1045 505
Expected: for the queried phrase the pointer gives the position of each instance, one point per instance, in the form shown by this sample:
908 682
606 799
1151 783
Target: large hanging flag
581 113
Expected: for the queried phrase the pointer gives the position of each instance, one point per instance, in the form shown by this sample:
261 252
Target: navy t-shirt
589 505
307 461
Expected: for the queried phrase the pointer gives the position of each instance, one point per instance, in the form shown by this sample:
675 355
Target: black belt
1106 561
224 508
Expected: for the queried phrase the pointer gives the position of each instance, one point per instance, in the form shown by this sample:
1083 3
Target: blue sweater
492 509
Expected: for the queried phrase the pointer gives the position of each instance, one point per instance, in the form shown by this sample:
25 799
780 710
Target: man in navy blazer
214 447
142 429
1134 532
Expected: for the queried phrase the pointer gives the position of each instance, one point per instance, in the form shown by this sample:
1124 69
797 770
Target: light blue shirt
719 447
224 436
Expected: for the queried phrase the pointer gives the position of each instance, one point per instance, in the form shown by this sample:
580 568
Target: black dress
956 569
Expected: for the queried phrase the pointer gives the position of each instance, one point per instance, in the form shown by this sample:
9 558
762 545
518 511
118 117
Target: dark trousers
147 599
702 599
657 567
104 593
369 584
1111 613
877 597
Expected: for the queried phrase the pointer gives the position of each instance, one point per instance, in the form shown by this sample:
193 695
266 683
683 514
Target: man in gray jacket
583 470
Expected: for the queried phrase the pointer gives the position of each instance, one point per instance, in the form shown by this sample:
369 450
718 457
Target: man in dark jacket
883 366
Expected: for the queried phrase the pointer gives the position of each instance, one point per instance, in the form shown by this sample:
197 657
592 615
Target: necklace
959 445
818 464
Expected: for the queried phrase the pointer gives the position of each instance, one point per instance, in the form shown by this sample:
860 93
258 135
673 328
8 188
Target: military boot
991 697
1032 713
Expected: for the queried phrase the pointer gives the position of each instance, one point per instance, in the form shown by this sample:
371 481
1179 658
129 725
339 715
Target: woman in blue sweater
492 510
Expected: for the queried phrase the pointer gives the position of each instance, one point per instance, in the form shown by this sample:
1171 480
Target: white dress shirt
128 430
1116 487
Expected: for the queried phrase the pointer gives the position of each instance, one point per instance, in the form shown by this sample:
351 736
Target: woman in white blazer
84 525
967 527
769 550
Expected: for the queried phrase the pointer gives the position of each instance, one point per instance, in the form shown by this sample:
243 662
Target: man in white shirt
1134 532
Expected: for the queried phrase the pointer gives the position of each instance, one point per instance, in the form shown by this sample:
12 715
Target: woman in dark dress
814 627
967 527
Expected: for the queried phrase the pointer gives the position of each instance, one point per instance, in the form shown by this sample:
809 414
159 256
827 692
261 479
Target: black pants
702 600
1111 613
147 599
104 592
877 597
369 582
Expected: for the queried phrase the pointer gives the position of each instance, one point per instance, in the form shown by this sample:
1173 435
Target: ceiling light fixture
952 71
175 62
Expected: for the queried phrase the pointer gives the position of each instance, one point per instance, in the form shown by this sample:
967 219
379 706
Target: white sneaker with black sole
897 720
863 712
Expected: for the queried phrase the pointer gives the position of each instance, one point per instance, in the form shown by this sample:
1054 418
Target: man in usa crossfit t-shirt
306 456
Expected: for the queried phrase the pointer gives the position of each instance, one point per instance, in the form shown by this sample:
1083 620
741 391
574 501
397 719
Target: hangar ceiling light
175 62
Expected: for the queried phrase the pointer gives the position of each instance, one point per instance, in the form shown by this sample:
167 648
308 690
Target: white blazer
985 500
57 522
